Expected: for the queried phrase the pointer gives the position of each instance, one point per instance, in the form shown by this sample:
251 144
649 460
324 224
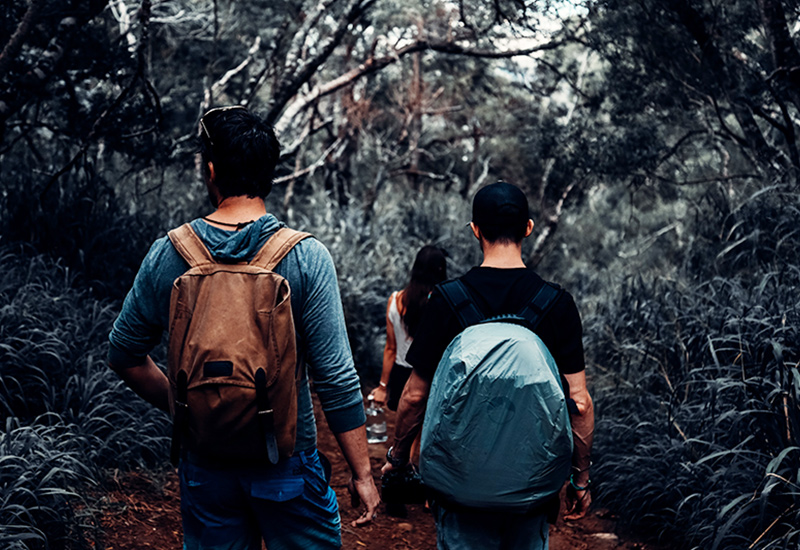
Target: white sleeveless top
401 337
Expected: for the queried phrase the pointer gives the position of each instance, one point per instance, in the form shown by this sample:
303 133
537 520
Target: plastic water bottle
376 423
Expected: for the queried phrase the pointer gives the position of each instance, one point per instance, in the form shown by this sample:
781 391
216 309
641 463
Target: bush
698 397
68 417
37 479
82 225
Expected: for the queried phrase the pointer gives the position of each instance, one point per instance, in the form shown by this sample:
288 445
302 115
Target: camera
403 486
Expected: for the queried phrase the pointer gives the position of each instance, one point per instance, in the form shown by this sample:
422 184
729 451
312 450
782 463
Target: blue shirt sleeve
324 335
145 311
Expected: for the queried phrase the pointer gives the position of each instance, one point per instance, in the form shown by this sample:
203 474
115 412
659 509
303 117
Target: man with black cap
502 284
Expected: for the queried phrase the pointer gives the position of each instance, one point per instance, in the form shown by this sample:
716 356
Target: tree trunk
693 21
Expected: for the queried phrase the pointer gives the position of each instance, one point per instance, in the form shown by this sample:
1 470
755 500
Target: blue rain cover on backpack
496 433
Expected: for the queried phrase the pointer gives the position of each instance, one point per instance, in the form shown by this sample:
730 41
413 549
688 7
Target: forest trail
143 512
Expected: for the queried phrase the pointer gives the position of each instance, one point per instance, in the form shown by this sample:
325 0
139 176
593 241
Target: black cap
500 204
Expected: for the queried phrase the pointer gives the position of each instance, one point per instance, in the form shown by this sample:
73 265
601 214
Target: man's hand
387 467
578 503
379 396
364 490
361 485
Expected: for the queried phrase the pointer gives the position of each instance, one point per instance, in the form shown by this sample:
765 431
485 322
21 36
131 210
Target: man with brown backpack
248 303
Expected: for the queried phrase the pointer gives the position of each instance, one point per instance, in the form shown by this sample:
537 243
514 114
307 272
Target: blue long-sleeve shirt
322 342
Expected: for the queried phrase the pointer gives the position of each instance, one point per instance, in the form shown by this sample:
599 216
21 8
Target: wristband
576 486
382 384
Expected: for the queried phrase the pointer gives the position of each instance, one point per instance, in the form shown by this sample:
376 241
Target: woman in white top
403 313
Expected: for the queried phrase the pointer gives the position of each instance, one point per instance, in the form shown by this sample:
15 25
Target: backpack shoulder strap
189 246
457 296
277 247
541 303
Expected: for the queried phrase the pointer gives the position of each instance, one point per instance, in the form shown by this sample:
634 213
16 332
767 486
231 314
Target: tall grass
39 477
67 417
698 396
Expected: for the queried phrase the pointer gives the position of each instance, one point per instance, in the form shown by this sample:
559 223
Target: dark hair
243 149
495 233
429 269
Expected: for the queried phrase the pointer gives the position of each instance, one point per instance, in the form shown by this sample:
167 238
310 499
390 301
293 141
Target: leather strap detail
190 246
277 247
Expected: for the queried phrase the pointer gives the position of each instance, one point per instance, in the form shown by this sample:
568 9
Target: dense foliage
698 405
656 140
67 417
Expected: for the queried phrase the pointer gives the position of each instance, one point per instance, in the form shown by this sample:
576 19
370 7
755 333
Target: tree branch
784 51
12 98
550 225
14 44
288 88
297 46
139 75
550 163
693 22
308 130
311 168
374 64
220 84
700 181
674 149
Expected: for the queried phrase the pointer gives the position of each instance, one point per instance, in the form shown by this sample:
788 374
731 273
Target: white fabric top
401 337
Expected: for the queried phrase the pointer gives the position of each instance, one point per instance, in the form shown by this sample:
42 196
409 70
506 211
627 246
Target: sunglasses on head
215 112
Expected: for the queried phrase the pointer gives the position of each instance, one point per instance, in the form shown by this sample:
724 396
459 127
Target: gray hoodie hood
237 246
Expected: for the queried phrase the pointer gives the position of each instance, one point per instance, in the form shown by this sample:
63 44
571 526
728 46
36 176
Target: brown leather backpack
232 363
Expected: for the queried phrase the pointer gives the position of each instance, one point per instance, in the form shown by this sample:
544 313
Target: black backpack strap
181 421
266 416
542 302
457 296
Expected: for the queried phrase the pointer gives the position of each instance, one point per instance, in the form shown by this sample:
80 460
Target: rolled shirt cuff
347 418
120 359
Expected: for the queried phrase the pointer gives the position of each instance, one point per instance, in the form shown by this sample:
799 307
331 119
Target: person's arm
140 324
379 394
330 363
436 330
148 382
410 414
578 492
361 485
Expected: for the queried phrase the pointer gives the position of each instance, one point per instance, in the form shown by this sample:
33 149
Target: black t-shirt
496 292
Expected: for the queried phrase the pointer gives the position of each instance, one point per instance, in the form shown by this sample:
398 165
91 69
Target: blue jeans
466 530
290 506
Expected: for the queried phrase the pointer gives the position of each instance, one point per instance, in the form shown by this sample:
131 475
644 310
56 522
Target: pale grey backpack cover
496 433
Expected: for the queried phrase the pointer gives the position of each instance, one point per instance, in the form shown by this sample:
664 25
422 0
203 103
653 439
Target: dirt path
144 513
